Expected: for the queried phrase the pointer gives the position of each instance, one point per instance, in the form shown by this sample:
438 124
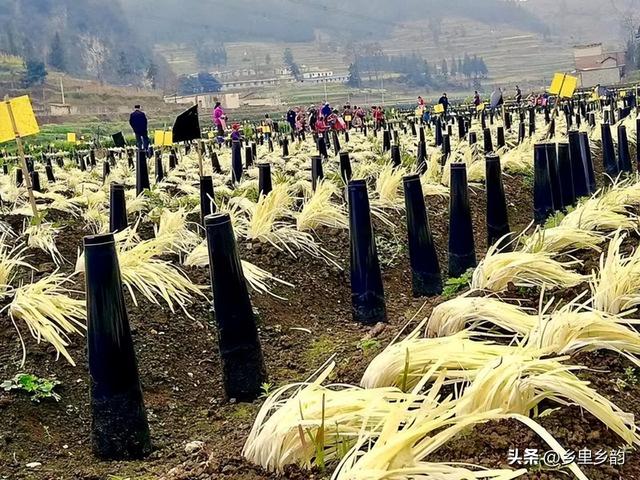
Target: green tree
354 76
35 73
11 44
443 68
124 68
427 72
467 67
57 54
152 75
291 64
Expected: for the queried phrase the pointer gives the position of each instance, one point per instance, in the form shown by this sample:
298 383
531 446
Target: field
565 296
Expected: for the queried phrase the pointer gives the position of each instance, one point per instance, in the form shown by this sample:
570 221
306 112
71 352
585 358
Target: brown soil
181 377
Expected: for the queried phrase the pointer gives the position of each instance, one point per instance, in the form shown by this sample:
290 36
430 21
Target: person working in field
518 95
138 122
444 101
291 119
267 127
219 121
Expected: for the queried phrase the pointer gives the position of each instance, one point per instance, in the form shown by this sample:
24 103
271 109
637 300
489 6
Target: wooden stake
200 158
554 114
25 169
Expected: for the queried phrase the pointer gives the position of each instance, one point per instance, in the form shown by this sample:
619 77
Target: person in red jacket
321 125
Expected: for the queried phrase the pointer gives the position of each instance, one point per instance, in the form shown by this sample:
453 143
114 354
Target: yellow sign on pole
71 138
162 138
211 135
23 115
438 108
569 86
480 107
556 83
563 85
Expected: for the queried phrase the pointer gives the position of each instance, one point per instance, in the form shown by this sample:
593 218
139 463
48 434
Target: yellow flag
162 138
26 122
480 107
438 108
569 86
622 93
211 135
563 85
556 83
71 138
158 138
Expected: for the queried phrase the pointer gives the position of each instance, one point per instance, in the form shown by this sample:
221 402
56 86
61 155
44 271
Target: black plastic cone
624 157
367 291
248 156
336 143
345 167
586 155
322 148
142 172
35 181
566 175
117 208
611 166
462 254
438 132
264 178
106 170
236 162
497 214
119 429
386 140
215 163
446 147
426 279
542 194
207 206
578 166
554 176
501 142
50 176
488 142
395 156
243 367
317 173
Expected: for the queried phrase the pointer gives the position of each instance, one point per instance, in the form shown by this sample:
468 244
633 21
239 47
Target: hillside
584 21
91 38
511 54
193 21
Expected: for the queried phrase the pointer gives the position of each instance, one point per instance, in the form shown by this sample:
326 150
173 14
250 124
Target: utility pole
62 90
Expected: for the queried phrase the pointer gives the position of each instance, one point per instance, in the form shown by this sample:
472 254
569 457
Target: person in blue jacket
138 122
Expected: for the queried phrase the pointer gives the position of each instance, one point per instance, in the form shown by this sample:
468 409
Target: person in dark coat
291 119
326 110
138 122
444 101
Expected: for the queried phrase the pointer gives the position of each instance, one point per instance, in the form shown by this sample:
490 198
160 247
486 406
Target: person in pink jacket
218 121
